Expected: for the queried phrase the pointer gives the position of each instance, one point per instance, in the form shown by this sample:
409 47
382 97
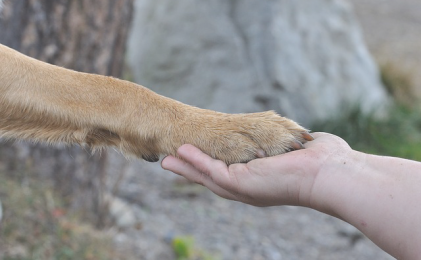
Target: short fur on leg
43 102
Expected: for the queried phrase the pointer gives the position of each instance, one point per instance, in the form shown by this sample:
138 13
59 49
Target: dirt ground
230 230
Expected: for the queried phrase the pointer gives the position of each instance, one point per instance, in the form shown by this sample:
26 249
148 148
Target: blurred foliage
398 134
185 249
35 226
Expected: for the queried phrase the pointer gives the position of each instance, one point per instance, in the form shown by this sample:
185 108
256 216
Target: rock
122 213
305 59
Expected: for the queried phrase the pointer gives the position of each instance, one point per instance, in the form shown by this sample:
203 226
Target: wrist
336 187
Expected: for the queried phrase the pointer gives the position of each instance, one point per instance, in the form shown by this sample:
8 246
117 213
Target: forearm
378 195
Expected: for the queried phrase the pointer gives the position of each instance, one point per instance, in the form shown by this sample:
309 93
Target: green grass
35 226
397 135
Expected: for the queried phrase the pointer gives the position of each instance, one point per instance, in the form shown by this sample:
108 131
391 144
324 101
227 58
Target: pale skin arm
381 196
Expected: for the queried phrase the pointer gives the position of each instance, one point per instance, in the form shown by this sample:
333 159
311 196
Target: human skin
381 196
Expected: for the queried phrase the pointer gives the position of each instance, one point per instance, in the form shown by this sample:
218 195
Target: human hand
379 195
286 179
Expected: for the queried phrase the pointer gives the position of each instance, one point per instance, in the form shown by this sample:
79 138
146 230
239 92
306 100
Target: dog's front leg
43 102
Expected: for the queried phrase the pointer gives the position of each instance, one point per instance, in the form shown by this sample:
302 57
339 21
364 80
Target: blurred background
351 68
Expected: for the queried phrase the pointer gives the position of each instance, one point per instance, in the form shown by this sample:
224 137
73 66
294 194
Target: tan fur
43 102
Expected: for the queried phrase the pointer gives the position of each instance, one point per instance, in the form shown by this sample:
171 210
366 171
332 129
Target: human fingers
201 161
216 175
188 171
217 170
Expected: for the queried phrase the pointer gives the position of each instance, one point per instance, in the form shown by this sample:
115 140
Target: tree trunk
83 35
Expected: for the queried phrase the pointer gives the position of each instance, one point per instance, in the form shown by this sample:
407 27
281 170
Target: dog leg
43 102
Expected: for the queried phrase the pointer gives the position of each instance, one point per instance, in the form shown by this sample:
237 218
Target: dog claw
297 145
308 137
261 154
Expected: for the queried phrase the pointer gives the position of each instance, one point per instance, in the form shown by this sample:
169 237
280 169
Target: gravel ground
167 207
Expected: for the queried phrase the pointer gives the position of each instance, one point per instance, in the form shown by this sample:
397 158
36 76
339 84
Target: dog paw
235 138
